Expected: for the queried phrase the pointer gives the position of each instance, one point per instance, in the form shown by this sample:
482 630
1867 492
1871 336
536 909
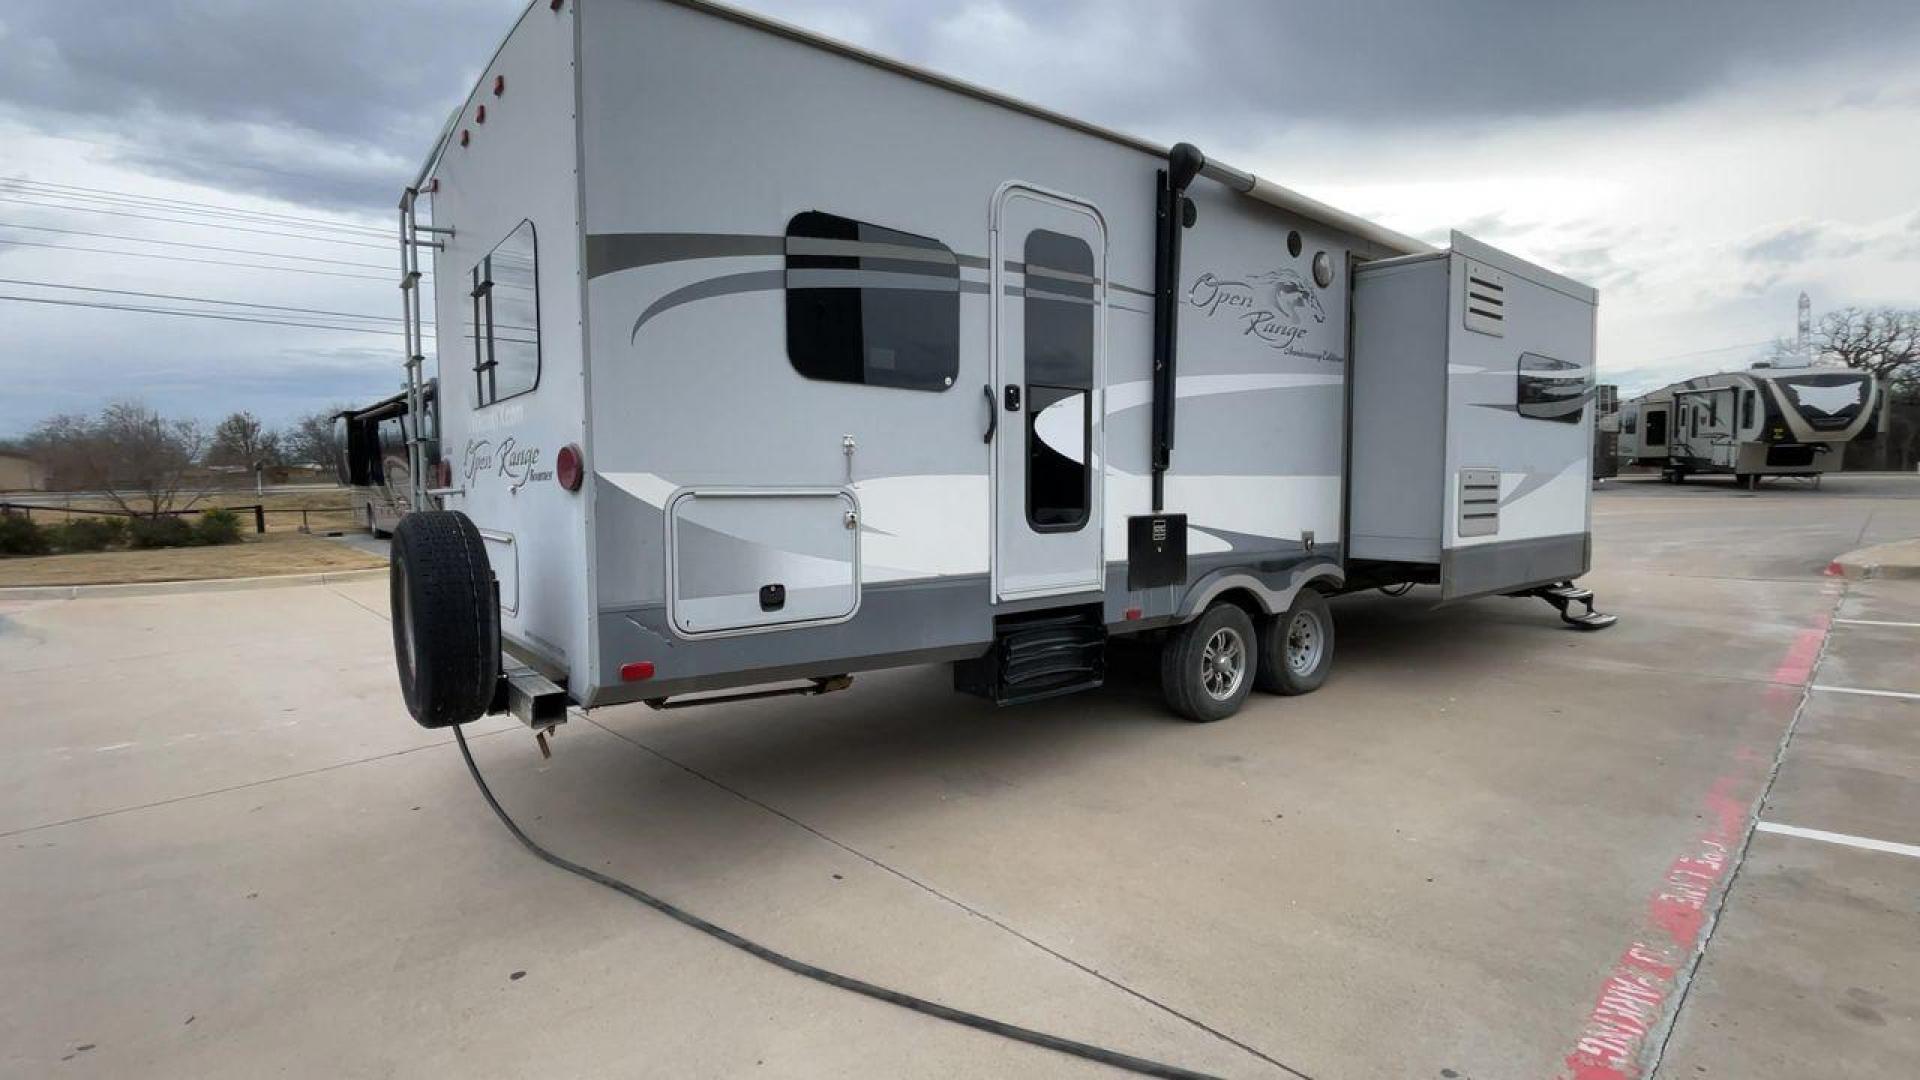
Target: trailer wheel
1296 646
1207 666
446 620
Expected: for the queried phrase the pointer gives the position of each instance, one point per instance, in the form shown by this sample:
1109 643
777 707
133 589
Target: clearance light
499 85
465 136
443 473
567 467
1133 614
638 671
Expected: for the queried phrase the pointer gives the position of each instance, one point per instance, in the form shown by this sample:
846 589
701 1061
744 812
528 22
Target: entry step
1039 656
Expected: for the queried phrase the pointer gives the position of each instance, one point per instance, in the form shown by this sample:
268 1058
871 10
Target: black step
1567 592
1592 620
1038 656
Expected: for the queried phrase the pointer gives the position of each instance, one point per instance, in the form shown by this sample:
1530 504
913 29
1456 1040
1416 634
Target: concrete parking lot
1489 847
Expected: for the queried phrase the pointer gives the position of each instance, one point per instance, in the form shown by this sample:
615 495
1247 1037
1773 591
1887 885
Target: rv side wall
512 387
705 142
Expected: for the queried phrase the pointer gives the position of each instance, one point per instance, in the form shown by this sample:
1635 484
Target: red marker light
1133 613
568 467
638 671
499 85
443 473
480 115
465 136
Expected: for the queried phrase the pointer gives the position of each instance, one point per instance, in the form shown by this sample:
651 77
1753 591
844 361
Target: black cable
1401 589
1087 1051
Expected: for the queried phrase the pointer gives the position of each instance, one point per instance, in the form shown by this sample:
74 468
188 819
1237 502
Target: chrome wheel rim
1223 664
1306 640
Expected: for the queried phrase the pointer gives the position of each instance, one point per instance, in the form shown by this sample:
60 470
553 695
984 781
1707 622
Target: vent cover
1479 502
1486 299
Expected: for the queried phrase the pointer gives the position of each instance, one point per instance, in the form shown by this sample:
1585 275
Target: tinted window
871 305
1747 398
1631 422
505 327
1059 315
1551 389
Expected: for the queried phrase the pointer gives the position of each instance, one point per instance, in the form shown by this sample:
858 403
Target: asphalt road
1489 847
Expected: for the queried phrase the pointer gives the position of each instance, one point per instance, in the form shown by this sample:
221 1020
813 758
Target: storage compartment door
743 560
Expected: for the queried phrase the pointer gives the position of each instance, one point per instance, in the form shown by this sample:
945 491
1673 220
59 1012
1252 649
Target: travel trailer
1793 421
784 361
375 461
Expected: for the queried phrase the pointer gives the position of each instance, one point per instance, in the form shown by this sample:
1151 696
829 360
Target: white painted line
1870 693
1877 622
1910 850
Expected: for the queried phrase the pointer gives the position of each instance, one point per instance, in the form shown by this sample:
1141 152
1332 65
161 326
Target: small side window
1630 423
1747 401
871 305
505 327
1552 389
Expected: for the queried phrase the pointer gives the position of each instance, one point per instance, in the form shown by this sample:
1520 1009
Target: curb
1900 559
174 588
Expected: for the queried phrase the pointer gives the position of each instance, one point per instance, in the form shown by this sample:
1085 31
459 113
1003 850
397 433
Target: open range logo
516 465
1279 307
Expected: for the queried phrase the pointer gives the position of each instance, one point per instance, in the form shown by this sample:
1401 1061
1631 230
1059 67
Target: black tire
1296 646
1193 680
446 619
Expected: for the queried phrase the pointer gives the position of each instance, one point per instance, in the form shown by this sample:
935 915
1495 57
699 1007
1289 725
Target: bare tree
1884 341
241 439
139 459
311 441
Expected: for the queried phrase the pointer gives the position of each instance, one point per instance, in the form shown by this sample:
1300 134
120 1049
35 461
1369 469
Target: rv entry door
1049 334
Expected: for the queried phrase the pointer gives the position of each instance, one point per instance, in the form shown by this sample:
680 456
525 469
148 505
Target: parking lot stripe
1878 622
1626 1031
1863 842
1908 695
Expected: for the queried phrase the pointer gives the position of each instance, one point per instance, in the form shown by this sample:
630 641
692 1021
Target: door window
1059 317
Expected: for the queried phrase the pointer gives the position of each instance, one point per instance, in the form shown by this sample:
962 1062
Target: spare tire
446 618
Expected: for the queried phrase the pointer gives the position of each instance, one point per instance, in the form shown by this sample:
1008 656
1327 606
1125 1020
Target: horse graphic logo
1293 298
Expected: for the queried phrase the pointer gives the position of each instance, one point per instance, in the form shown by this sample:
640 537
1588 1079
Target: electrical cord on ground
1087 1051
1401 589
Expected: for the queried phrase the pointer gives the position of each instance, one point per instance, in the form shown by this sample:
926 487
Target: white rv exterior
868 367
1749 424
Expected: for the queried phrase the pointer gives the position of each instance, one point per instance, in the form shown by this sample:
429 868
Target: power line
200 300
186 244
205 262
282 233
186 205
220 316
1704 352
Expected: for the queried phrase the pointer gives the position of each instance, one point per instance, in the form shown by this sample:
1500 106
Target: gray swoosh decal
609 253
727 285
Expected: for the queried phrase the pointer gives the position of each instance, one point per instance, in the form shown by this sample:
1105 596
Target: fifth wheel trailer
784 361
1752 424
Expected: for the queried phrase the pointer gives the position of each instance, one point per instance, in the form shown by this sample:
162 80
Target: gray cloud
1789 245
316 102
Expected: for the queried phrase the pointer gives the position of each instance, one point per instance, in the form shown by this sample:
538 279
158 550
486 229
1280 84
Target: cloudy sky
1701 163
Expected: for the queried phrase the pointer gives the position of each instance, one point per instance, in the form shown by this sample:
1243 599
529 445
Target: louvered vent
1486 300
1479 503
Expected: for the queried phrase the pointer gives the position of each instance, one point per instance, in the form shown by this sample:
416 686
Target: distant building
19 472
